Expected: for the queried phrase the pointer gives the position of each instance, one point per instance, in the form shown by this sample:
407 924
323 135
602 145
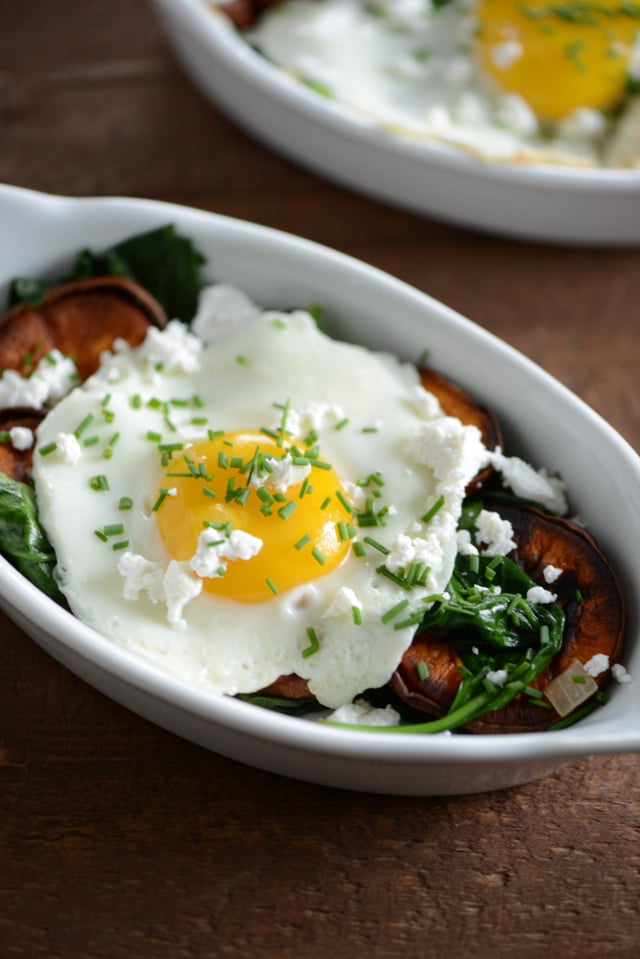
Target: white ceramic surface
587 207
39 236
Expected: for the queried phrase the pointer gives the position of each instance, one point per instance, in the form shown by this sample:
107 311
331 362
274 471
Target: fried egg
271 502
528 82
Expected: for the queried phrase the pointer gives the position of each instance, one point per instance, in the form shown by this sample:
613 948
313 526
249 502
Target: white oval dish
561 205
39 236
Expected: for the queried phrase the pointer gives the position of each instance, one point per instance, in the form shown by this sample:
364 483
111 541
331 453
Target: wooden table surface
120 840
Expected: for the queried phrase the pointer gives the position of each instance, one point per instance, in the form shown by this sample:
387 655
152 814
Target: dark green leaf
24 543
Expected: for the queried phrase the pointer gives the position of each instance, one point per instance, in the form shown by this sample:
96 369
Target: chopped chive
48 448
236 462
100 535
214 434
83 426
242 495
162 495
369 429
319 464
91 441
359 549
197 400
437 506
317 555
264 495
272 586
356 613
344 501
285 511
342 423
413 620
302 541
303 487
107 453
422 670
325 503
394 611
114 529
123 544
170 447
342 531
154 437
109 416
313 646
278 323
580 680
208 492
223 460
135 402
241 360
125 502
99 482
351 530
376 545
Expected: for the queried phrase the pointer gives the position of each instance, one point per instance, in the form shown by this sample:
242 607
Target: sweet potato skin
81 318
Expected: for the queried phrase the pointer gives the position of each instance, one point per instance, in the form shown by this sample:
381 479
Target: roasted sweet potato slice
456 402
288 687
594 609
81 318
14 462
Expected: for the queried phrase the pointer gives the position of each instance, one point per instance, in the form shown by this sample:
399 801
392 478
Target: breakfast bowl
40 236
535 200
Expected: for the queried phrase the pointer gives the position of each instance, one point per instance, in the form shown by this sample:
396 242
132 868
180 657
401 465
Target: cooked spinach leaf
23 541
280 704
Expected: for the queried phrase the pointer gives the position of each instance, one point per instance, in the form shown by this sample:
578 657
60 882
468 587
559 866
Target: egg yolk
558 56
224 484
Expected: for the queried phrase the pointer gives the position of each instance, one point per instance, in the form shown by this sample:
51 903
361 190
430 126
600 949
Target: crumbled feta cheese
517 115
212 555
21 437
343 603
454 452
406 550
465 546
68 449
597 664
620 674
221 308
140 576
504 55
494 533
314 417
173 349
360 713
528 483
52 379
497 676
538 594
180 587
282 475
551 573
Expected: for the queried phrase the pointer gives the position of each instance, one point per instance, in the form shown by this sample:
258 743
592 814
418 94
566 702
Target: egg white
412 70
226 646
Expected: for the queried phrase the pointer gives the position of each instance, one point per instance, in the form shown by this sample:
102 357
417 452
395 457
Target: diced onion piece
570 689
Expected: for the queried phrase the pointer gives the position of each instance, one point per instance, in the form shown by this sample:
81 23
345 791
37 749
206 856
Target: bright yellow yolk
571 54
298 527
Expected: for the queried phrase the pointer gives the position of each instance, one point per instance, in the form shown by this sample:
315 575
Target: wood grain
119 840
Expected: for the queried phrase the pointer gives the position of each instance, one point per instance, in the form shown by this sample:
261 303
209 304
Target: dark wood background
119 840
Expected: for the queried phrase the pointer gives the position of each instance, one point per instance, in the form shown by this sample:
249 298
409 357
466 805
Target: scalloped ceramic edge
39 235
560 205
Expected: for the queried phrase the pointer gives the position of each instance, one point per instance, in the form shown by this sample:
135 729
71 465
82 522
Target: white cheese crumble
464 545
551 573
176 585
343 604
497 676
281 475
620 674
173 349
52 379
360 713
21 437
213 554
538 594
529 483
504 55
67 449
494 533
597 665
